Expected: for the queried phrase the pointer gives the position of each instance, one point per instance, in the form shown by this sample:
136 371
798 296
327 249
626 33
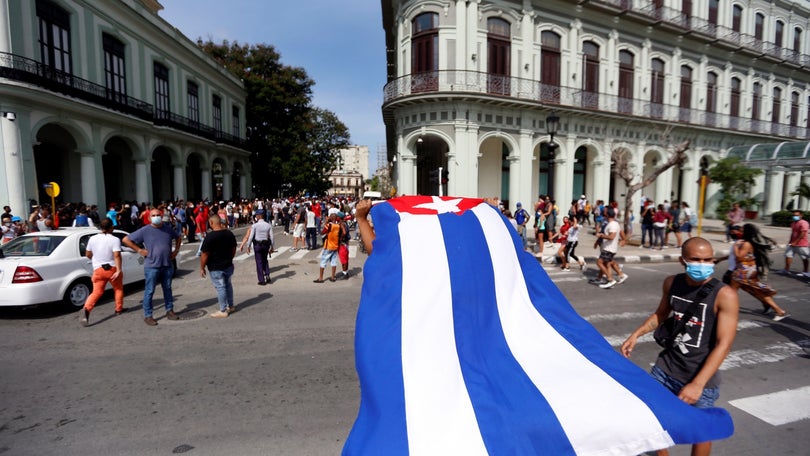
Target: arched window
756 102
626 76
590 74
794 109
686 93
759 26
714 7
734 102
736 18
779 32
425 52
777 105
498 55
54 35
797 39
711 97
550 62
657 88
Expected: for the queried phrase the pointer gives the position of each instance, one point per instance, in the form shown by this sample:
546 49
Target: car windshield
37 245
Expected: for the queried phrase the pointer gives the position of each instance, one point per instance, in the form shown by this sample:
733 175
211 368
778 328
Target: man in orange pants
104 249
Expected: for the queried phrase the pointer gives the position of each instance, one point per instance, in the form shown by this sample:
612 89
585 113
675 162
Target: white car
49 266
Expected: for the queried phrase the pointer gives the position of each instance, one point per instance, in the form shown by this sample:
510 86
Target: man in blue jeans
218 249
156 239
692 356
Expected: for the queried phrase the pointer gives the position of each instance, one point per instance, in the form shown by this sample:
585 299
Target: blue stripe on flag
513 416
380 427
684 423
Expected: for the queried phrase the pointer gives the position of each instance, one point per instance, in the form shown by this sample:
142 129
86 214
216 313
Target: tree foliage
735 179
293 143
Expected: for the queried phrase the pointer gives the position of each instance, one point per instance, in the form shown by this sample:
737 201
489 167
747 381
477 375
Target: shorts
803 252
343 254
299 230
330 257
686 227
606 256
706 399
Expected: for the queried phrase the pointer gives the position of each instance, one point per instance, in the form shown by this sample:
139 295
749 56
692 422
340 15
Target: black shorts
606 256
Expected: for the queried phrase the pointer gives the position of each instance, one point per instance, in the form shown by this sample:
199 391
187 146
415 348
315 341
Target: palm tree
803 191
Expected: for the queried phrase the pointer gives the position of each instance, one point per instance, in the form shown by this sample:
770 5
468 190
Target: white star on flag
441 206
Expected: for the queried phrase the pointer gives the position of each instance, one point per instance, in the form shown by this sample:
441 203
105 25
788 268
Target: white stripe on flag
569 381
430 366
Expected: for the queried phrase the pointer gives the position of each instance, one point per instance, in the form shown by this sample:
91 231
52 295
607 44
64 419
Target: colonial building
471 85
112 103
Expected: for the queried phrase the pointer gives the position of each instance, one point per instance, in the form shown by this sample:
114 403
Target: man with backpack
522 218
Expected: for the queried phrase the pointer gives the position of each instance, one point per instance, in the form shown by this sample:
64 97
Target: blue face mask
699 271
796 218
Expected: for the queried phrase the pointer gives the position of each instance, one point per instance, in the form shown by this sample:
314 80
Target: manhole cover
191 314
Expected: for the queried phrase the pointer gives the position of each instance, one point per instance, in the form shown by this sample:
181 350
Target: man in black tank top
689 366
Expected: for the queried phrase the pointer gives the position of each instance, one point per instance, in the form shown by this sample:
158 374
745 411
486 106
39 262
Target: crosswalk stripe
770 354
777 408
352 251
279 251
299 254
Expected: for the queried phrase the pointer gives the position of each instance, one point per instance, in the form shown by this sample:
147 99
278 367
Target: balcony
509 89
30 71
648 13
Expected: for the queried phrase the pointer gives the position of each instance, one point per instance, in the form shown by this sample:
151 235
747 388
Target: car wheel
77 293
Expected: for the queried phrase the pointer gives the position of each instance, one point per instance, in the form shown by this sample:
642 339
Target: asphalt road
277 377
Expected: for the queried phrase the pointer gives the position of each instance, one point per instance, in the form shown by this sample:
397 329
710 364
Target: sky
340 44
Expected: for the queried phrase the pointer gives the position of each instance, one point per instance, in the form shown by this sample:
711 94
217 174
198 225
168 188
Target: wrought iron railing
474 82
30 71
672 16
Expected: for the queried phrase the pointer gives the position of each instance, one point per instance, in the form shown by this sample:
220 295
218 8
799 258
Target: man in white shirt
104 250
608 241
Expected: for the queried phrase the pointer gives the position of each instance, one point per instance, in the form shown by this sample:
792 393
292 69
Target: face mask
699 271
156 219
796 218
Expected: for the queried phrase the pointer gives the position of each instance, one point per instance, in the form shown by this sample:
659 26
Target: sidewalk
632 252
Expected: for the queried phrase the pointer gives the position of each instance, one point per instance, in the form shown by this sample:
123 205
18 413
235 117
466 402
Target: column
791 184
462 55
141 181
663 187
226 186
690 191
5 46
514 179
88 172
601 179
12 153
773 193
205 175
243 186
180 181
526 192
804 203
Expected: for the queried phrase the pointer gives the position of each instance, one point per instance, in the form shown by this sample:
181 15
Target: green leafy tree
278 112
735 179
308 167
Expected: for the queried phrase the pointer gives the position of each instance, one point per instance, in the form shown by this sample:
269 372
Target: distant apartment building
349 178
113 103
473 85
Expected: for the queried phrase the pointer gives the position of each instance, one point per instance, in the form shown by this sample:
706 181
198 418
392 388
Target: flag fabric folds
464 346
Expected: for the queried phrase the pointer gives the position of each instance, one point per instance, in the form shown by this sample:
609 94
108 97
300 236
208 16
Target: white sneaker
780 317
582 266
608 284
622 278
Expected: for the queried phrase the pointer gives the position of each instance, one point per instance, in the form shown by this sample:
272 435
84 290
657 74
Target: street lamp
552 126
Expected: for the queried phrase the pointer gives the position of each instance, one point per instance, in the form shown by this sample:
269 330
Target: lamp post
552 126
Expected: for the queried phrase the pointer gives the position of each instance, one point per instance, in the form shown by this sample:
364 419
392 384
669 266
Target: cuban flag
464 346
